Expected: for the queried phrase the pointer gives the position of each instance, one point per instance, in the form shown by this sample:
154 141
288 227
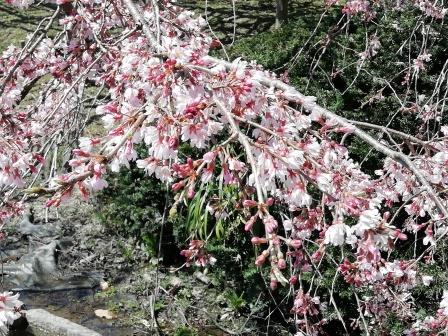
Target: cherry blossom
158 88
9 309
339 234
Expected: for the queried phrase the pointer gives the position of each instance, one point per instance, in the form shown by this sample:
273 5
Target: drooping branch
309 104
399 134
247 148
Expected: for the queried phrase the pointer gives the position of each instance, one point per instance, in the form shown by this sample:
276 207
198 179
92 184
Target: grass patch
16 24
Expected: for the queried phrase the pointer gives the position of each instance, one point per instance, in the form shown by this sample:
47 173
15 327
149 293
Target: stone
104 313
43 323
202 277
197 292
37 270
32 267
176 282
27 228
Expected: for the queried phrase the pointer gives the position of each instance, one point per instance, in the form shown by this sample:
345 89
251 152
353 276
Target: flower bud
294 243
191 192
258 240
39 158
75 163
173 143
293 279
281 264
177 186
249 203
317 256
270 201
400 235
250 223
260 260
270 224
53 202
80 152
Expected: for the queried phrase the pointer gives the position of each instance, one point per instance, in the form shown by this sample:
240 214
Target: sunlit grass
16 24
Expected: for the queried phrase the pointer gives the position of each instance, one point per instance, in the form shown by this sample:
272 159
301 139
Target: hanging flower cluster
9 309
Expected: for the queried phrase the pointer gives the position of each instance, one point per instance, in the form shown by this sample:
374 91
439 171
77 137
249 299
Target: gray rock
27 228
176 281
43 323
197 292
32 268
38 270
202 277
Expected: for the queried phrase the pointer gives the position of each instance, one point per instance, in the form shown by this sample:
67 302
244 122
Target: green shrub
132 206
185 331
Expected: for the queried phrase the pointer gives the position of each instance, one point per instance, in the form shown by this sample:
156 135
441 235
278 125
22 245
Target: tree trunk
281 12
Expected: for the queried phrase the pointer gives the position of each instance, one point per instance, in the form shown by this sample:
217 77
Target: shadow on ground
16 24
251 17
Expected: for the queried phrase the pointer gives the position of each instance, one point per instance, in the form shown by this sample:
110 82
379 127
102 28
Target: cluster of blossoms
158 86
197 254
367 9
9 310
432 325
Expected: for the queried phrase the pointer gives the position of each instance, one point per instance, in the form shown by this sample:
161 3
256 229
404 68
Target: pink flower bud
191 192
293 279
255 240
281 264
249 203
177 186
190 163
80 152
270 201
270 224
260 260
273 284
295 243
83 190
75 162
400 235
258 240
316 256
39 158
173 143
53 202
250 223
